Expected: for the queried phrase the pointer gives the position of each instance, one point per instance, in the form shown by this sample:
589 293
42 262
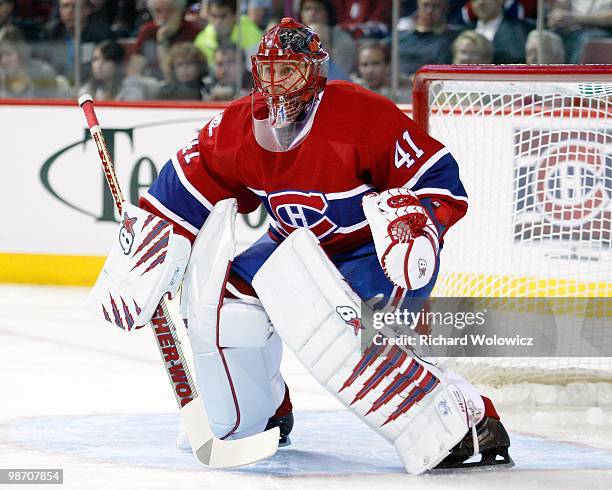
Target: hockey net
534 145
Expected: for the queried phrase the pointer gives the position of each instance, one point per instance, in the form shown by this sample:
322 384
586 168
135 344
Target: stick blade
217 453
238 452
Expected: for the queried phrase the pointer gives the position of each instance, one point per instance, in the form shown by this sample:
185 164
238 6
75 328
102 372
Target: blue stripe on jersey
169 190
347 211
444 174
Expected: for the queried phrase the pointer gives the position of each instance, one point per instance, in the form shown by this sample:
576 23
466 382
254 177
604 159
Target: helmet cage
295 48
286 94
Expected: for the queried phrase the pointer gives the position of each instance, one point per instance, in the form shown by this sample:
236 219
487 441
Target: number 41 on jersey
403 157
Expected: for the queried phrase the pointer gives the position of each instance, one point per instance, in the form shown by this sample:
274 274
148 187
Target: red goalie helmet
289 70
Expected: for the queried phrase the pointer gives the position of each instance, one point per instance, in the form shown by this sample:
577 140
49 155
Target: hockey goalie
359 200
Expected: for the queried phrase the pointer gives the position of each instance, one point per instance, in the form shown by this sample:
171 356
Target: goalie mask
290 71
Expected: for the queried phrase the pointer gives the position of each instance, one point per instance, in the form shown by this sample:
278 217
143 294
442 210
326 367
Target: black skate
493 443
285 424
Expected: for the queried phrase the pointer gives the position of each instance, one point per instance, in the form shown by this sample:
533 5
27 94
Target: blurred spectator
194 13
338 43
513 9
24 77
364 18
31 29
283 8
223 83
507 35
155 37
430 40
259 11
374 71
223 28
335 71
36 10
59 47
372 66
119 14
553 51
471 48
578 22
107 71
108 80
142 15
408 9
186 70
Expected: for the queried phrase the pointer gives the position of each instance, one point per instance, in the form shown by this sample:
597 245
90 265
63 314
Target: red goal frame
535 73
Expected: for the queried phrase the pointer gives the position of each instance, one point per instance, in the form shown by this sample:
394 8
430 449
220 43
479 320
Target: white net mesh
536 160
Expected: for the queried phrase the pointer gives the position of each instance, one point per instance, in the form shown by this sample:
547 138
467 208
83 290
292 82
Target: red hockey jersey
359 142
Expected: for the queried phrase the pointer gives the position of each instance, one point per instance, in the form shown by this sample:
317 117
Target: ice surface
330 442
80 395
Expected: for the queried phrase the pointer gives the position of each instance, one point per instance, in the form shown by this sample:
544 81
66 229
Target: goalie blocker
147 261
434 418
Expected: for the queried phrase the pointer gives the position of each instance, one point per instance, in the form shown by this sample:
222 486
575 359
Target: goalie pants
360 268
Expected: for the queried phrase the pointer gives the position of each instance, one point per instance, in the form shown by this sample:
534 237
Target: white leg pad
317 314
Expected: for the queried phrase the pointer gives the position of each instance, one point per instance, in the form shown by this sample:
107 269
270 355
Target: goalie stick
209 450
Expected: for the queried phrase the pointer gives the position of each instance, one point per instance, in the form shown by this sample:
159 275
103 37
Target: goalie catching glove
147 261
405 237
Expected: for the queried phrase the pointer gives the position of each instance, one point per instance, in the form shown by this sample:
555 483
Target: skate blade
475 466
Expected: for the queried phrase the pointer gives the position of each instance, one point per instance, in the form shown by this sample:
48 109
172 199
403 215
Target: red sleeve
192 181
218 165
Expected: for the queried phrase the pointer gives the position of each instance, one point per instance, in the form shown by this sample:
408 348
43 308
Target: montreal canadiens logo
295 209
571 186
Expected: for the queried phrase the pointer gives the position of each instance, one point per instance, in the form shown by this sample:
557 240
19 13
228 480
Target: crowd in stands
200 50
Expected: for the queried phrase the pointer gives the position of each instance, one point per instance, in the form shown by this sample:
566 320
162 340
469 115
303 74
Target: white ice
83 396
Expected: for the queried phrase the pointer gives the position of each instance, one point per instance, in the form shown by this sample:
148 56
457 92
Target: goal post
534 147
